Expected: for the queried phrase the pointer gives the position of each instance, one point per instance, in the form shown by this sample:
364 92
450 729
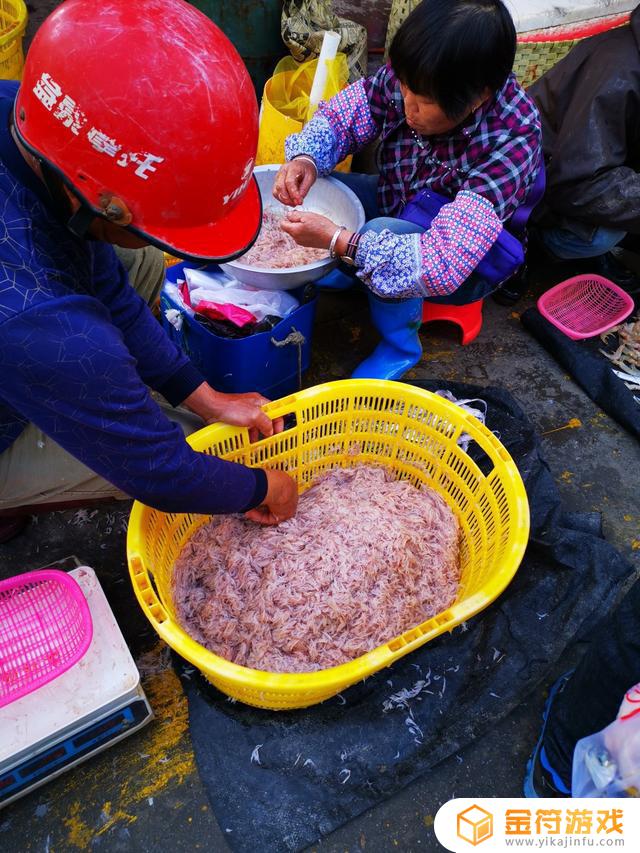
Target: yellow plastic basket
347 423
13 22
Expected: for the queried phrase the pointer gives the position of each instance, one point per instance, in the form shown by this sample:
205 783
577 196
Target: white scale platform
94 704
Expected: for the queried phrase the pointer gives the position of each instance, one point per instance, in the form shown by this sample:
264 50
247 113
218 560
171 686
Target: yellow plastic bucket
341 424
285 105
13 22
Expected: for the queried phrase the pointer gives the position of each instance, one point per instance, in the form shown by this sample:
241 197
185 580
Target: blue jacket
78 348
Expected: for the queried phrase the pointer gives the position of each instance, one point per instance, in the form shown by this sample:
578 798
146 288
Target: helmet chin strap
78 221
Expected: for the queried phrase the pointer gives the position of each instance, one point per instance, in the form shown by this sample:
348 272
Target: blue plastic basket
235 365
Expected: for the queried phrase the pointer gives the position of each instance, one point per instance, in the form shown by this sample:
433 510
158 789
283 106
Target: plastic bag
285 104
478 411
400 11
240 317
607 764
220 289
304 23
174 292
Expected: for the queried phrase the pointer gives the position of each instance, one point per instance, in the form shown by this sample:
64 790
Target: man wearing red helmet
131 131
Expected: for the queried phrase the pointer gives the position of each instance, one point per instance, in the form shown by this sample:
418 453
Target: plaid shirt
491 157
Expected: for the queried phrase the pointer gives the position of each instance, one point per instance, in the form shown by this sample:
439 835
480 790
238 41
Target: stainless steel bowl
327 196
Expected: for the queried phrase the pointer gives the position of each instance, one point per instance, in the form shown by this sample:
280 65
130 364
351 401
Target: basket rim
585 276
38 575
380 656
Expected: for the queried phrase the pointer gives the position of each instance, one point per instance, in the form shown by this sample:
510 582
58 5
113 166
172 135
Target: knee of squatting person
146 269
451 117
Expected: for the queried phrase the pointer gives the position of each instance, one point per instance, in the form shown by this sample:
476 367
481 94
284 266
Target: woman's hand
309 229
235 409
294 180
281 500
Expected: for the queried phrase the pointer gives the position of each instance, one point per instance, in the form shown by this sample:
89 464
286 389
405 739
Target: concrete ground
144 794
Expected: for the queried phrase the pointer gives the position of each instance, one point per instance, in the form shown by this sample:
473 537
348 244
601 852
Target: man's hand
234 409
293 181
281 500
309 229
246 410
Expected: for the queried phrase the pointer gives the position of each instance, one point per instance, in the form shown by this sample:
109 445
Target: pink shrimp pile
365 558
276 250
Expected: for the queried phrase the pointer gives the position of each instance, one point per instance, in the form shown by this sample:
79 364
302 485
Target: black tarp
279 781
590 369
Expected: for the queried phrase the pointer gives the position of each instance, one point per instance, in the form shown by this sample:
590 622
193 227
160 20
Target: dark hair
453 50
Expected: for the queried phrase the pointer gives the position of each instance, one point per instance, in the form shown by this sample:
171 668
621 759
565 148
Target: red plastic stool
468 317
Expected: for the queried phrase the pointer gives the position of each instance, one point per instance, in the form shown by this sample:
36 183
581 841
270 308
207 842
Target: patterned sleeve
504 178
435 263
340 127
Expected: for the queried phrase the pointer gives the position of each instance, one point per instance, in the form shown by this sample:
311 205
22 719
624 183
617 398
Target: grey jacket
590 109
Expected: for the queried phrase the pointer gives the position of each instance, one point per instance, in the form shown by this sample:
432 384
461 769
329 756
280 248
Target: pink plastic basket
45 627
585 306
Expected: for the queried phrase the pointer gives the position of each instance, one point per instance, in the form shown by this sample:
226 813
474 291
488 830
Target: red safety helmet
146 111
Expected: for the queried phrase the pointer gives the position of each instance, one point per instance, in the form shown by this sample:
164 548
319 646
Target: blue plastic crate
255 363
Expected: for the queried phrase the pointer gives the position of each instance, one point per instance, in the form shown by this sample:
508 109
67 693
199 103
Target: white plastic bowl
328 197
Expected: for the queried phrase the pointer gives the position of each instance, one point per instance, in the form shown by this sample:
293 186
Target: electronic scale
92 705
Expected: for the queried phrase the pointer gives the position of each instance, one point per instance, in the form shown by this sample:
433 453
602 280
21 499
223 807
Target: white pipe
328 51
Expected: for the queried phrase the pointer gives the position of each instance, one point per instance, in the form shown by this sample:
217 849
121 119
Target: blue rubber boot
398 323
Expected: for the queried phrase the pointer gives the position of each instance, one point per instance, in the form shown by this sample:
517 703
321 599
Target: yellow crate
13 22
341 424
